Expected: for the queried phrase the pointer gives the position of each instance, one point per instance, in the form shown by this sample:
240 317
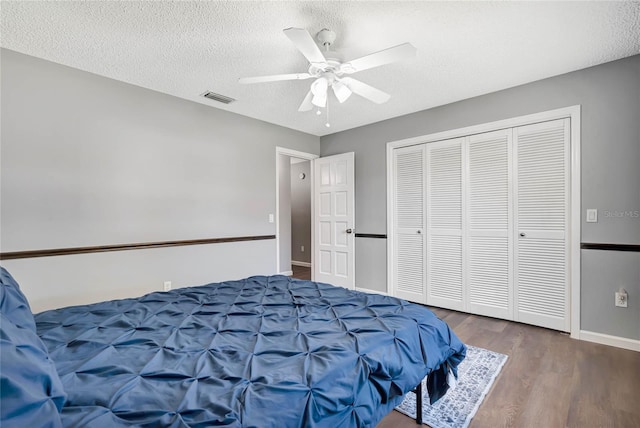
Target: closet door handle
419 231
522 234
349 230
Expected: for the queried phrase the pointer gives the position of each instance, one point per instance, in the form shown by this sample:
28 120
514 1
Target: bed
265 351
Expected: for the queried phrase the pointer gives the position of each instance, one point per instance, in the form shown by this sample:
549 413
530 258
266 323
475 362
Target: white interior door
334 220
542 223
408 277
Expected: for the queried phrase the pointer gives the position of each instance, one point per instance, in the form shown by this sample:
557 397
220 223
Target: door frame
300 155
573 113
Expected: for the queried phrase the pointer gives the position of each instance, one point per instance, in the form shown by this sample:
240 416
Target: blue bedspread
259 352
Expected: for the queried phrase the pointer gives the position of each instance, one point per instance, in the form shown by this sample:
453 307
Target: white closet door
444 224
489 225
408 214
542 219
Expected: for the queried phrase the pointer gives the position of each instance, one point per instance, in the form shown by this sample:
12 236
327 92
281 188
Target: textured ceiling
184 49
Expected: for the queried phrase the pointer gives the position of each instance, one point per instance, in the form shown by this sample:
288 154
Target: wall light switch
271 218
592 215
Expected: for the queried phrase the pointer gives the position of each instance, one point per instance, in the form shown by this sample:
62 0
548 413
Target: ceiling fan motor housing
332 66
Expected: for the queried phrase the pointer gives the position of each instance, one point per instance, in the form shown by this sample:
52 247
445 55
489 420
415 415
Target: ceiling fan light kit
319 91
341 91
329 71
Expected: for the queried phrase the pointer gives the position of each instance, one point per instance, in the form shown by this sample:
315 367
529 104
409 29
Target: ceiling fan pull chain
328 125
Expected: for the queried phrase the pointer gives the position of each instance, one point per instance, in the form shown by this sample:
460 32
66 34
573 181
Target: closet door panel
542 282
489 273
489 225
445 271
409 218
542 210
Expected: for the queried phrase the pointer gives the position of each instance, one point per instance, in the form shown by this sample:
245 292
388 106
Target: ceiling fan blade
305 44
366 91
306 103
275 78
387 56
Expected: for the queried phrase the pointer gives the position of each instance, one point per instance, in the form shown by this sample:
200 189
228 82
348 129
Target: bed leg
418 392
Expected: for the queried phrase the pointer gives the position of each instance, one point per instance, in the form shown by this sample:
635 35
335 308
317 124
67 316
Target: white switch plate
592 215
302 248
167 285
271 218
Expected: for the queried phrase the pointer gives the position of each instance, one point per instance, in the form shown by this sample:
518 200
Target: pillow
30 388
13 304
31 391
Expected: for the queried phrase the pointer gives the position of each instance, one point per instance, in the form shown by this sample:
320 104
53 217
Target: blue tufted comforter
259 352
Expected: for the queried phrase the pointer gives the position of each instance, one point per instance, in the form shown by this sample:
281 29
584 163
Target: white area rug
476 374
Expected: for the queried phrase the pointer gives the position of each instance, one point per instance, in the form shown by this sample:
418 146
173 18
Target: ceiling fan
329 72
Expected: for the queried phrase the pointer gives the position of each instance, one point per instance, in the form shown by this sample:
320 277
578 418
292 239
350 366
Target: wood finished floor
549 380
301 272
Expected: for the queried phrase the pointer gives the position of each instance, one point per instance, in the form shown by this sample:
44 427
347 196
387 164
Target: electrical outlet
302 248
621 299
167 285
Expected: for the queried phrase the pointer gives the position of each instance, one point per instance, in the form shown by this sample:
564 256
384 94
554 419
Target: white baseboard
606 339
304 264
368 290
286 273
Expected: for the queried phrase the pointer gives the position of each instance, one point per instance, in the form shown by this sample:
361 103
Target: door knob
349 230
522 234
418 231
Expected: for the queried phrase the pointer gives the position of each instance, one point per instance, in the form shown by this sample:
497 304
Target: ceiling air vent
217 97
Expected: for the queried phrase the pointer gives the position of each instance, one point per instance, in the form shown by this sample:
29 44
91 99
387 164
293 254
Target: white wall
87 160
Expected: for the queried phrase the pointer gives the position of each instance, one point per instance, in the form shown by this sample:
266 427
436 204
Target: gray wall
603 273
610 98
87 160
301 212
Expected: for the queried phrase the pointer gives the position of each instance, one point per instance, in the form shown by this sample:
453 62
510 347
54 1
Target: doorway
294 237
300 190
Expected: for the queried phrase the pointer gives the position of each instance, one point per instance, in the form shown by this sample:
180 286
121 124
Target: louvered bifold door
542 171
444 224
489 228
408 214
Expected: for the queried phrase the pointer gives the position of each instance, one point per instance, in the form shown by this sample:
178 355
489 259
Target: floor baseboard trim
286 273
303 264
368 290
606 339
